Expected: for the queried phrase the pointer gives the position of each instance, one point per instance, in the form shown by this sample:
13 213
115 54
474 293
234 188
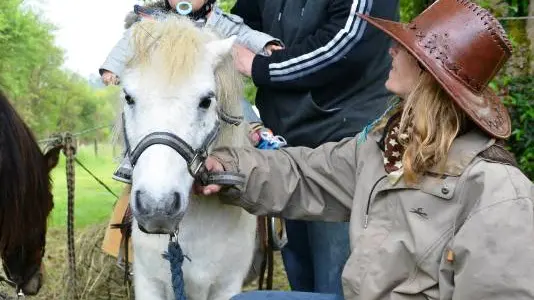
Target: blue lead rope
175 256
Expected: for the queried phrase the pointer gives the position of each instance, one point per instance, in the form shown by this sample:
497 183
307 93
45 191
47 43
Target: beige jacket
401 236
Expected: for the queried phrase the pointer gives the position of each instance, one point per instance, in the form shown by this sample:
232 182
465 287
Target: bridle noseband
195 158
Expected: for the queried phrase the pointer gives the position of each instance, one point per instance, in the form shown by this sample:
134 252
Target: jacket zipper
368 207
281 10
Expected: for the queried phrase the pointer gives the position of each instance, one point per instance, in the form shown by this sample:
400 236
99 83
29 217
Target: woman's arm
295 183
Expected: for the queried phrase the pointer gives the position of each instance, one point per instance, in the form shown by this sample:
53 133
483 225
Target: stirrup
279 238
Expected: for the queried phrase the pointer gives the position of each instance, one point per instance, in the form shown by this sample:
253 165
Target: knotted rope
67 142
175 256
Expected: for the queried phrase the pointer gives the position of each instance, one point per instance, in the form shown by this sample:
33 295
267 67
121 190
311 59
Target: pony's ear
220 48
51 157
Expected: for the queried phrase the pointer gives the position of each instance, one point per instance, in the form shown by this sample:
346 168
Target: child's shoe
263 138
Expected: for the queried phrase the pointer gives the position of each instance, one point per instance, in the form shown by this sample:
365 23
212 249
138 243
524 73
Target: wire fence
53 139
83 132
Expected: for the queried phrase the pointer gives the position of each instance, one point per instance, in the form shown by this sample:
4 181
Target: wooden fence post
96 147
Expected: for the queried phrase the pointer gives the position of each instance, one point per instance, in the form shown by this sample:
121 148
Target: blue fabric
276 295
315 255
316 251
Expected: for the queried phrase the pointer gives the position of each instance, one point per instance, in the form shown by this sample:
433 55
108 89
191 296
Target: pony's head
178 78
25 200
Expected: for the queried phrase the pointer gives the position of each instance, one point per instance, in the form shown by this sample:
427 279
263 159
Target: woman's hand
211 165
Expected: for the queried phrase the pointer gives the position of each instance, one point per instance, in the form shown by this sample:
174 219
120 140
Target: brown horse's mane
25 199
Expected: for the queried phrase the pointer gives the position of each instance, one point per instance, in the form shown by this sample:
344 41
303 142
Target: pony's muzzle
33 285
157 216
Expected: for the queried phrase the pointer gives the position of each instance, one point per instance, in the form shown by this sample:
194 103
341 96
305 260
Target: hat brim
485 109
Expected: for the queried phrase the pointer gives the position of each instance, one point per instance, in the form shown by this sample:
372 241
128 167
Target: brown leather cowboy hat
463 46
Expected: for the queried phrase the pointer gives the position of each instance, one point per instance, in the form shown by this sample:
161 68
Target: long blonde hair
432 121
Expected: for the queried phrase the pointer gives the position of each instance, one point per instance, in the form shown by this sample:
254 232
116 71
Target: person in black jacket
326 84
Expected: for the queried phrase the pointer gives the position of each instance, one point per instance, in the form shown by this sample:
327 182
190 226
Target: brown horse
25 200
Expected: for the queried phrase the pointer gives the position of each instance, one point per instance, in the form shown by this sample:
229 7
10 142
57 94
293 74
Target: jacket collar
463 150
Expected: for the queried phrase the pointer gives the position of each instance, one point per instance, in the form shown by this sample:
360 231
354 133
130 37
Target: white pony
180 76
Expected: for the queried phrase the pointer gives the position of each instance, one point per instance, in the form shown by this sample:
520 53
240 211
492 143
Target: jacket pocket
351 277
365 253
320 110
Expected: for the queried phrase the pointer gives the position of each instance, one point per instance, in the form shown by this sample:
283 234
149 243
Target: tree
530 33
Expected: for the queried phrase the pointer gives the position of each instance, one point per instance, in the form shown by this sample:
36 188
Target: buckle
197 163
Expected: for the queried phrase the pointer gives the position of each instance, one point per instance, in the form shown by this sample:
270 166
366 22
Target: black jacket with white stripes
328 82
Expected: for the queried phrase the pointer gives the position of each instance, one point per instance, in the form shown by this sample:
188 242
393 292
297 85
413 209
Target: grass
93 206
93 203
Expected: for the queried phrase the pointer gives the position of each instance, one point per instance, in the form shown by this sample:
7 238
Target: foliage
51 99
48 98
409 9
226 5
518 95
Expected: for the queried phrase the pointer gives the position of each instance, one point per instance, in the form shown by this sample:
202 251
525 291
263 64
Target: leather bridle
195 158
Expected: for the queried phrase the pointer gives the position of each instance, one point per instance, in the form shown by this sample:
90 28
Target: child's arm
118 56
228 25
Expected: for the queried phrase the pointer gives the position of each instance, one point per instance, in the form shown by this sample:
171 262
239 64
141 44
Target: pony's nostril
138 203
177 204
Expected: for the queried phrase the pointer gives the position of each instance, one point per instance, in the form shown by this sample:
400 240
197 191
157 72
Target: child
204 13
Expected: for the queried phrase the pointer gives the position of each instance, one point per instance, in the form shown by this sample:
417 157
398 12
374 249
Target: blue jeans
316 251
315 255
248 113
268 295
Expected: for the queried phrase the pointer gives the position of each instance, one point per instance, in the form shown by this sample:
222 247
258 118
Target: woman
438 209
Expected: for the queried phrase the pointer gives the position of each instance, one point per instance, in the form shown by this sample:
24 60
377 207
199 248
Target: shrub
518 96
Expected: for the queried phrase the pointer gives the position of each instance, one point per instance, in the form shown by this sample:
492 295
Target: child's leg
260 136
249 114
124 172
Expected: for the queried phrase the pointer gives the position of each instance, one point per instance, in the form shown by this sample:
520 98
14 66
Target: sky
87 29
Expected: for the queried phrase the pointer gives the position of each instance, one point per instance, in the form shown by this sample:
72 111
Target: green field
93 206
93 203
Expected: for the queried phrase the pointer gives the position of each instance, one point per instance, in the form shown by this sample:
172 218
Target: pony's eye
205 102
129 99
